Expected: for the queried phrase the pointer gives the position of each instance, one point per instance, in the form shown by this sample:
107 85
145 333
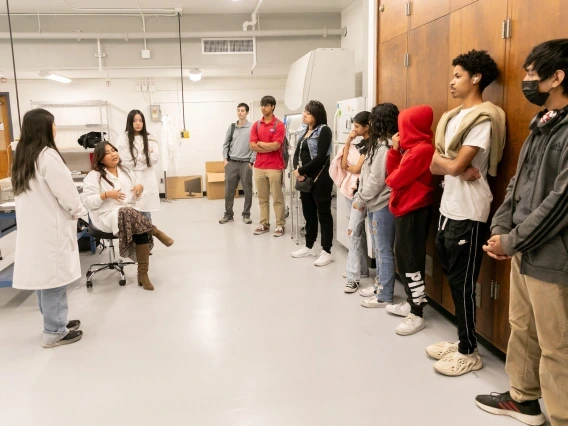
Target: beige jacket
484 112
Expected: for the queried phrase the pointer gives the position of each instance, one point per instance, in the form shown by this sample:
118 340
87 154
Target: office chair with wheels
117 265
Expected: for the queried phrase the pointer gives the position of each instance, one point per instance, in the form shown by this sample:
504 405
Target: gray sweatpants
235 171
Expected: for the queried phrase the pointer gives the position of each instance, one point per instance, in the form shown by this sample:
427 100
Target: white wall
354 18
210 107
210 104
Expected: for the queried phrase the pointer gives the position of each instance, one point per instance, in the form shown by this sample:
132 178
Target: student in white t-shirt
464 140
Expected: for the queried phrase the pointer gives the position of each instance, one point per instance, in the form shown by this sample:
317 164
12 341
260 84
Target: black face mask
533 95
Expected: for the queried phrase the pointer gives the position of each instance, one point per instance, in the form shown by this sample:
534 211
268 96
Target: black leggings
141 238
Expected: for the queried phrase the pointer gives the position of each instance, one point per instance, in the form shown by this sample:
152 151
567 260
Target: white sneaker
373 302
402 309
303 252
368 291
324 259
441 349
344 275
457 364
411 324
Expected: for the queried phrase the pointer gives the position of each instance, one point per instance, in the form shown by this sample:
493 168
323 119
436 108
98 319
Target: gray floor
236 333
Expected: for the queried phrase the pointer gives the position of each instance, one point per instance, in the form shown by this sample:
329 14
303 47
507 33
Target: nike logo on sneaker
462 242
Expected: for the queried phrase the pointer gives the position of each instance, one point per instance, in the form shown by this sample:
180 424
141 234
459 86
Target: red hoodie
409 174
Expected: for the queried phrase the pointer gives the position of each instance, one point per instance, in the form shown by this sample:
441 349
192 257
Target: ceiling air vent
227 46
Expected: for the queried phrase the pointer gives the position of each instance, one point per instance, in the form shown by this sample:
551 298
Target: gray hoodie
373 192
542 236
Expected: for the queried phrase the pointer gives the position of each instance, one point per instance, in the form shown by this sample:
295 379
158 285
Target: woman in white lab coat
47 209
139 152
110 193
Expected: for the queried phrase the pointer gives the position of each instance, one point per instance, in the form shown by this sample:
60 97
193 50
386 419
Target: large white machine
325 75
342 125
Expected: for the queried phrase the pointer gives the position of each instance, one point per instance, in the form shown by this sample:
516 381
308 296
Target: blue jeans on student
357 261
383 230
147 215
53 306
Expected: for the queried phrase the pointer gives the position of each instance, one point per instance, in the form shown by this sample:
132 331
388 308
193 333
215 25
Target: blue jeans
383 226
53 306
147 215
357 262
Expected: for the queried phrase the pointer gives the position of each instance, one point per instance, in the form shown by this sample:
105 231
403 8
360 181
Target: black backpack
285 143
91 139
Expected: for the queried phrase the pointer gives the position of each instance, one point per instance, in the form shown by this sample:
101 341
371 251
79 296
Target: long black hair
317 110
384 124
98 165
37 134
144 133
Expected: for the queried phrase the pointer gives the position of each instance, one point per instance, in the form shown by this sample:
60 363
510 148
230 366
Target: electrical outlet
152 88
137 88
145 54
144 88
162 180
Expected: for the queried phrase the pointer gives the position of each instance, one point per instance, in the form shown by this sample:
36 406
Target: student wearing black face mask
531 228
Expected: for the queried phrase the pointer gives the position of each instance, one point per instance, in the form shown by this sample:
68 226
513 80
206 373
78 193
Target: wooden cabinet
393 21
434 34
424 11
458 4
532 23
5 138
427 76
392 71
478 26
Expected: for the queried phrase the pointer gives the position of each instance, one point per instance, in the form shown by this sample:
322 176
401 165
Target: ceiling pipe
254 20
56 15
254 62
143 24
172 35
82 9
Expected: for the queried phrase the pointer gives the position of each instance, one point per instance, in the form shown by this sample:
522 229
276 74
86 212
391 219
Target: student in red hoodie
409 176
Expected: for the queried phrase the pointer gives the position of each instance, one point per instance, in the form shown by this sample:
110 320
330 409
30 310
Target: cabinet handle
406 60
407 11
509 28
504 29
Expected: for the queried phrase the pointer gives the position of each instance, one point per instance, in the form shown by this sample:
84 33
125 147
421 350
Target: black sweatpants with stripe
410 253
460 248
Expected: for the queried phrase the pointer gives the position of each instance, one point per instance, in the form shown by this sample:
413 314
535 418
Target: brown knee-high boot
164 239
143 256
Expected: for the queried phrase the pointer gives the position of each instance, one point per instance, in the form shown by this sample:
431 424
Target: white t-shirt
464 200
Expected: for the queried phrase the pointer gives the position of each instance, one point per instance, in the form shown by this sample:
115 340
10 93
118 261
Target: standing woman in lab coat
47 209
139 152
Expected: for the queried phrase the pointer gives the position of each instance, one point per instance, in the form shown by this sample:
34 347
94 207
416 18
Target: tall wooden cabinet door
5 162
424 11
478 26
427 76
484 300
392 72
532 23
392 19
458 4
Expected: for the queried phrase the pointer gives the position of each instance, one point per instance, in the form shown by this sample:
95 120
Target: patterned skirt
131 222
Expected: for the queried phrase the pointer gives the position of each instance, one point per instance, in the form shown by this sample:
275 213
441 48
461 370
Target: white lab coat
104 213
150 200
47 255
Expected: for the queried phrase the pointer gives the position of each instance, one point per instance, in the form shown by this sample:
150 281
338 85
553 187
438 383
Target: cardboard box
184 187
215 180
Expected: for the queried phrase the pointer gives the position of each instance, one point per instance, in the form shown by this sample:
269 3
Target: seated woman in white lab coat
110 193
139 152
47 209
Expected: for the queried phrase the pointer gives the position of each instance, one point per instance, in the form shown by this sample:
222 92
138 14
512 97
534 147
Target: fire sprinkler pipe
81 9
172 35
254 17
254 56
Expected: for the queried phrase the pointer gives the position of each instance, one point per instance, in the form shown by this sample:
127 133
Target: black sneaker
502 404
226 219
351 286
72 337
74 325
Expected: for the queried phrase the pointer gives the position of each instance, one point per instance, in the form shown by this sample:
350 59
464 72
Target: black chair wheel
89 284
122 282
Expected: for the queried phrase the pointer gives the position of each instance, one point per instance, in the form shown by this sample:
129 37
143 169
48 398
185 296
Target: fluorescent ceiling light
55 77
195 74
